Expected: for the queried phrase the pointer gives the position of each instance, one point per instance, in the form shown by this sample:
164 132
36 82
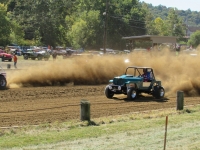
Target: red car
5 56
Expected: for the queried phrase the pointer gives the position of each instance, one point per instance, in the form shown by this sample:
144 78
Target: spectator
15 60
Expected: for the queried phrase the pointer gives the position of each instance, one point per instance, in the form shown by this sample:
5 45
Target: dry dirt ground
36 105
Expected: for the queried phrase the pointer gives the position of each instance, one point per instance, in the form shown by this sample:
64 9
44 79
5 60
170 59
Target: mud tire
132 93
158 92
3 82
109 94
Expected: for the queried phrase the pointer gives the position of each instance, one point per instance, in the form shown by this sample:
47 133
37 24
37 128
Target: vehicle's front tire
3 83
26 57
132 93
109 94
158 92
40 57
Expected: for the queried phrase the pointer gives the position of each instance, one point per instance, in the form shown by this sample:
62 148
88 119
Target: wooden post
180 100
85 110
166 122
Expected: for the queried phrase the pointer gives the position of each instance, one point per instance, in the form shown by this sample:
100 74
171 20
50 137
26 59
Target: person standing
15 60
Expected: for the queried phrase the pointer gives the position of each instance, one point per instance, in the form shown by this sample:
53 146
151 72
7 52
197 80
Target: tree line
80 23
190 18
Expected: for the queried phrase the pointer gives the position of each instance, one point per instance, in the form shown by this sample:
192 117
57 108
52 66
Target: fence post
166 123
85 110
180 100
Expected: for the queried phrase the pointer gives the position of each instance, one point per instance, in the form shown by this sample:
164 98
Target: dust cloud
176 72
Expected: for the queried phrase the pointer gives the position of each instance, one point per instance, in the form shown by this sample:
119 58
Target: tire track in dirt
36 105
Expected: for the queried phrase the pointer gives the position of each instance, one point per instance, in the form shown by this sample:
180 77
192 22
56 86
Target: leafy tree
82 31
194 39
4 1
5 26
125 18
80 23
41 19
17 34
149 21
175 24
161 27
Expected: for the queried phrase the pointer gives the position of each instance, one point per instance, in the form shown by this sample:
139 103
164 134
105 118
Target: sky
193 5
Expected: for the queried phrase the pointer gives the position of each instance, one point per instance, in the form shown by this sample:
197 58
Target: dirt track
20 105
27 106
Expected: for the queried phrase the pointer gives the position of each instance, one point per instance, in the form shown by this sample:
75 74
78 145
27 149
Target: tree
194 39
78 22
149 21
125 18
82 30
17 34
175 24
5 26
41 19
161 27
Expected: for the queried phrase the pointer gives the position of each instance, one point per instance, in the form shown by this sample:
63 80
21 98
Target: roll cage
138 71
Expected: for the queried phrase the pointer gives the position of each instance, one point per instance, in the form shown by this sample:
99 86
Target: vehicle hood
6 54
119 80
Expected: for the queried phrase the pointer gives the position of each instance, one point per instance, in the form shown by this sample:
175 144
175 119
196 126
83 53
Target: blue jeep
135 81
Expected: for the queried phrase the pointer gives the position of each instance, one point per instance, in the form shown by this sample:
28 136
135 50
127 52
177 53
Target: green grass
139 131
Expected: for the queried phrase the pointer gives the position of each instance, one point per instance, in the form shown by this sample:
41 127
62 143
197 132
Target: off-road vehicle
134 83
3 81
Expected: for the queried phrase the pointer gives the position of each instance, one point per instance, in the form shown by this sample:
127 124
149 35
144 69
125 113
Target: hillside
191 18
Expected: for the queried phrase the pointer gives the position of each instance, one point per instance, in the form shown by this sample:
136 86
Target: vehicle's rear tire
132 93
158 92
3 83
109 94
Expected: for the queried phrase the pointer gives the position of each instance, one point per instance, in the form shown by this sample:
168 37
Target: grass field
132 131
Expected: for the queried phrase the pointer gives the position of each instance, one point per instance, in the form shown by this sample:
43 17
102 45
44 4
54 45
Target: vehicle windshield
137 71
133 71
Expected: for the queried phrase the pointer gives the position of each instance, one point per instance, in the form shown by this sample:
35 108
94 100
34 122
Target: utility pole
105 28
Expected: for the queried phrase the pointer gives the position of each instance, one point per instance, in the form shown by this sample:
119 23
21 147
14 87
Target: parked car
5 56
15 49
36 54
132 83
